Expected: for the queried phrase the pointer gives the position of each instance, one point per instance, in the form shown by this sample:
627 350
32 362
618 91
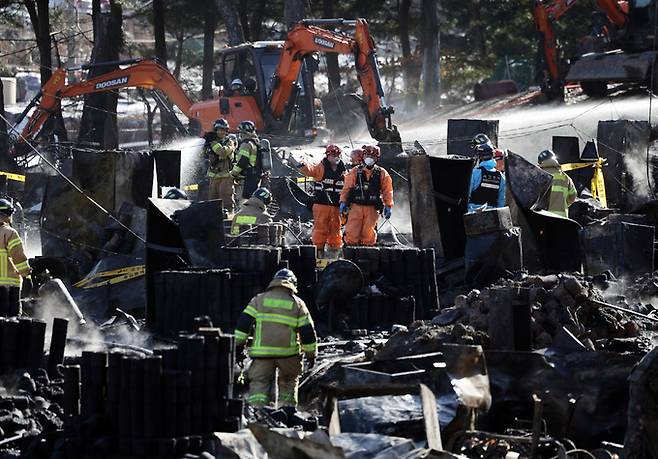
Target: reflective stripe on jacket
253 212
13 262
328 182
247 156
224 149
562 193
280 322
385 186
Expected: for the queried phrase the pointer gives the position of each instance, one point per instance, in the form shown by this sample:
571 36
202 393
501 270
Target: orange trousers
361 225
326 226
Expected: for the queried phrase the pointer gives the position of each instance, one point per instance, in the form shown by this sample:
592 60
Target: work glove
310 361
387 212
343 208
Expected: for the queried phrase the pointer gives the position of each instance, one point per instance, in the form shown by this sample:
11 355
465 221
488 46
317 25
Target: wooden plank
431 418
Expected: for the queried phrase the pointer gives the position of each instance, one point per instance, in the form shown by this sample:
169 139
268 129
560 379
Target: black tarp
438 195
462 131
165 246
550 242
585 394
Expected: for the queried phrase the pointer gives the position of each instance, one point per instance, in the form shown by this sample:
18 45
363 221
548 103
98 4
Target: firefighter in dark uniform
487 184
246 170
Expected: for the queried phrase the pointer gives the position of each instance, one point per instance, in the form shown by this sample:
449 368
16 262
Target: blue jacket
476 179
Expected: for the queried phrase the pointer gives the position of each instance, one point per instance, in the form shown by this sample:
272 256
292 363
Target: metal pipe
619 308
111 344
92 65
329 22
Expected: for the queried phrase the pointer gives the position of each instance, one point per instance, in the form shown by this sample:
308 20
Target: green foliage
476 36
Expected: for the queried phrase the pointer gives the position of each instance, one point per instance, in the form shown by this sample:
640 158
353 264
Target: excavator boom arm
306 38
144 74
546 12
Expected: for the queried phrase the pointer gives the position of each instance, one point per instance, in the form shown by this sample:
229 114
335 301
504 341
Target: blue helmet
6 207
479 139
484 151
175 193
221 124
247 126
544 155
263 194
285 278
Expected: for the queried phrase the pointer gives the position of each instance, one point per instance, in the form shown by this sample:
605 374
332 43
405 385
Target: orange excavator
276 90
622 49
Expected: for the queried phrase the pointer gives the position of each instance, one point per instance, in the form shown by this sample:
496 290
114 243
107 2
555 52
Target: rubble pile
424 337
555 302
158 405
640 293
30 413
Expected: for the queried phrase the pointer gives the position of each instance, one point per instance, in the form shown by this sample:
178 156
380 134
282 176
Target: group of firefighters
281 324
358 193
278 319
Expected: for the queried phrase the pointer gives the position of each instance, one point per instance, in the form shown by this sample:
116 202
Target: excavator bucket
613 66
389 141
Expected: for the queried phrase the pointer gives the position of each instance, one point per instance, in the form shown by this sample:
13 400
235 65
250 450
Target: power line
72 183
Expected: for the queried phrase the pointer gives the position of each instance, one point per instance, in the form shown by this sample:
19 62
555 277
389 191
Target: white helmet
237 85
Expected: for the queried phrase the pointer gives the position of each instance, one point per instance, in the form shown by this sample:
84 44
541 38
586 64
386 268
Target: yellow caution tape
16 177
192 187
598 183
322 263
116 276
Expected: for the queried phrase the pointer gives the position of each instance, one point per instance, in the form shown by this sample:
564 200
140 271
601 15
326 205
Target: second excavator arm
308 37
143 74
547 12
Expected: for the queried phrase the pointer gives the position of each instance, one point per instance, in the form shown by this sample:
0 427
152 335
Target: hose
395 232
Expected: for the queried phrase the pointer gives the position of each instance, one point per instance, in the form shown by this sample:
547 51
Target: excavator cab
641 26
254 64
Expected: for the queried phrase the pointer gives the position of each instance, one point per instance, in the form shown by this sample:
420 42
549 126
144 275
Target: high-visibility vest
327 190
278 315
13 261
561 189
253 212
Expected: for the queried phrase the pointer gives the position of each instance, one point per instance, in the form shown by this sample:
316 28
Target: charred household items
253 212
246 170
562 192
487 183
282 330
14 265
367 192
220 151
329 180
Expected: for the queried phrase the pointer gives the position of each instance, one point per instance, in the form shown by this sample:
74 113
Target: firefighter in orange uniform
328 175
368 191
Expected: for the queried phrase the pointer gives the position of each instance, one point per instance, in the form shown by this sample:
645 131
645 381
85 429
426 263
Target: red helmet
357 156
371 150
333 150
498 154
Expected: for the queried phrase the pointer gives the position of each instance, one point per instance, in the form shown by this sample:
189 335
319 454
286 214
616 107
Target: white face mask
369 161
